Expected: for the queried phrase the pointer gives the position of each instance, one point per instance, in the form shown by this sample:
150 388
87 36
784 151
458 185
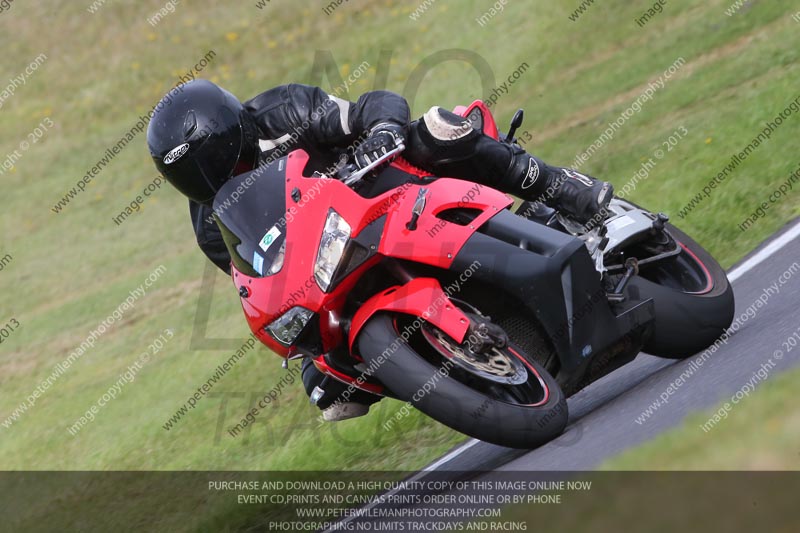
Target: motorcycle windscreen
250 210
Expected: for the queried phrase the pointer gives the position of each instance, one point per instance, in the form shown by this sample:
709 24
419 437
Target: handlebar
355 177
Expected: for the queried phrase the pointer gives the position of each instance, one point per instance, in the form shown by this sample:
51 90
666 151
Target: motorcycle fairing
308 201
552 275
479 116
421 297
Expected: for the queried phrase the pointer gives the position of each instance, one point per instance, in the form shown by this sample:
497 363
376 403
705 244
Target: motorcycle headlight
288 326
331 248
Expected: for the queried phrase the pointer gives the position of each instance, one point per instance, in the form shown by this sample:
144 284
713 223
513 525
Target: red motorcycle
434 292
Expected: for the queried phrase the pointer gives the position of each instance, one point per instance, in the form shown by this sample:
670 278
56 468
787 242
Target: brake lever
358 176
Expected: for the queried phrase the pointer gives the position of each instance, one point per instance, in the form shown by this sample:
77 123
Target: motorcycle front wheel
503 397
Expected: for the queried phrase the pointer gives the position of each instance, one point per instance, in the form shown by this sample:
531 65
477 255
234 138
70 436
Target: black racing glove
382 139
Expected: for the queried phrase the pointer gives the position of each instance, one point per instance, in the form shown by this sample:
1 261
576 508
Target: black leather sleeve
209 237
316 119
375 107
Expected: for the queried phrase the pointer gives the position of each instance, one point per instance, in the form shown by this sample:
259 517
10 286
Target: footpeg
631 269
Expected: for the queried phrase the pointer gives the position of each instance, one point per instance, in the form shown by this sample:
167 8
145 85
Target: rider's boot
582 197
447 144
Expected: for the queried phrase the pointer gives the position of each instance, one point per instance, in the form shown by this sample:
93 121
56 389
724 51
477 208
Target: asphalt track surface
606 417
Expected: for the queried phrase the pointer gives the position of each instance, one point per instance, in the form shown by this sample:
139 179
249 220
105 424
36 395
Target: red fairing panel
358 382
308 202
422 297
435 241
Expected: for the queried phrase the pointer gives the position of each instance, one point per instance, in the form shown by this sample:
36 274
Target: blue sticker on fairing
258 263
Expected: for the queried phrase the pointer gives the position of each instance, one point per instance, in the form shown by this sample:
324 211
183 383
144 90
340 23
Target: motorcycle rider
204 136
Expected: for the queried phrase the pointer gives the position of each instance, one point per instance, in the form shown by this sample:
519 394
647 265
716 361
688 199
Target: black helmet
201 135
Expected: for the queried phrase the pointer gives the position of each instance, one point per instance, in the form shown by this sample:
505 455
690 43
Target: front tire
451 401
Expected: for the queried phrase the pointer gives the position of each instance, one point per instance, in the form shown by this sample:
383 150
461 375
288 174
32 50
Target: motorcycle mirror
516 122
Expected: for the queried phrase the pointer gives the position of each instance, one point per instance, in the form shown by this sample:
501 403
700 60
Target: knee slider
445 126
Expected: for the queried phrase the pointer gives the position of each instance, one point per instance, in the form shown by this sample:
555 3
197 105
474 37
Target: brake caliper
483 335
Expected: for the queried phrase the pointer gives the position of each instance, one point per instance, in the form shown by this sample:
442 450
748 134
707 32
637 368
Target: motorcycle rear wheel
694 301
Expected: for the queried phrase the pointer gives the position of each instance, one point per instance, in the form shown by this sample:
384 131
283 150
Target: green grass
761 432
105 69
70 270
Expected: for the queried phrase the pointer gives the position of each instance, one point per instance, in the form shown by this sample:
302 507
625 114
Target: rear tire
457 405
687 322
